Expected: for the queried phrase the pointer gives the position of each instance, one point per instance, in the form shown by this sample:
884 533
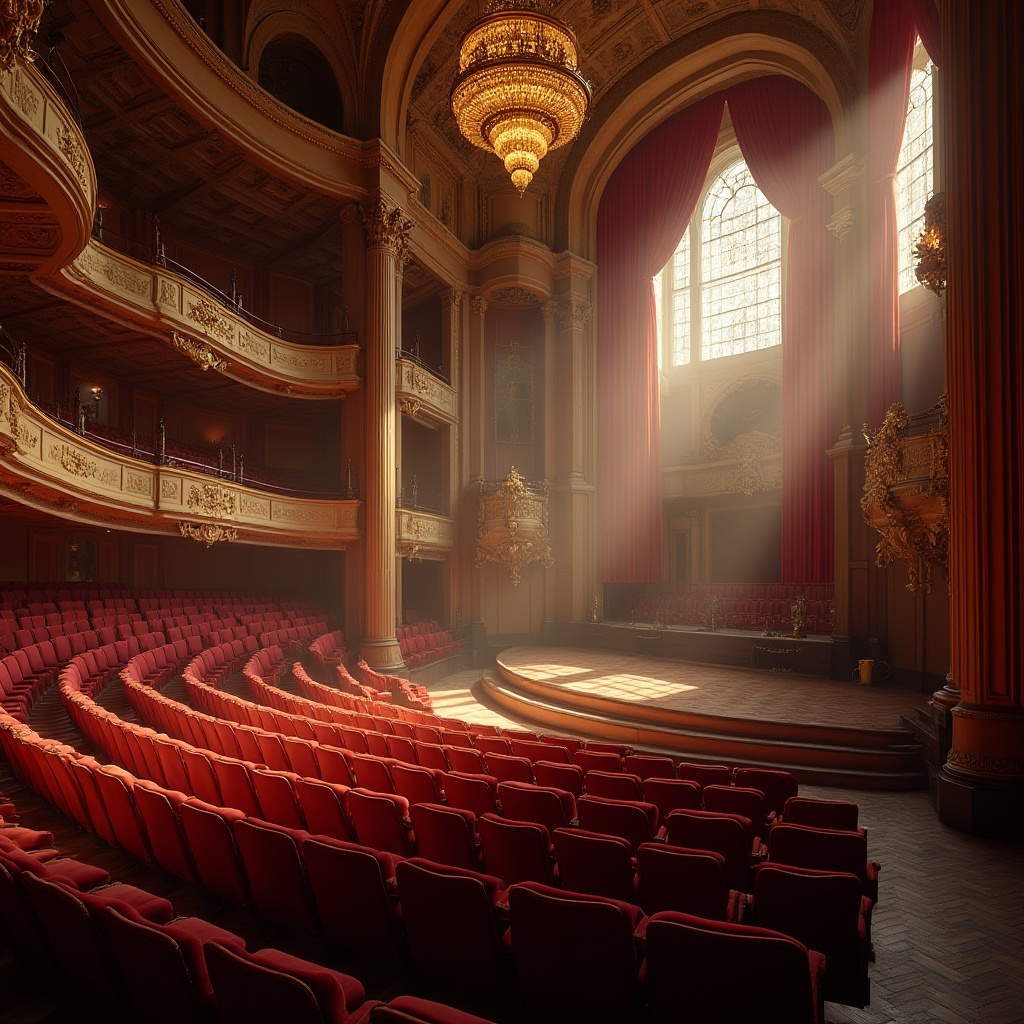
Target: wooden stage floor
835 731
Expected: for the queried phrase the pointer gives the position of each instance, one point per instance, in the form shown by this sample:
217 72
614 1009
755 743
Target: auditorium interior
496 492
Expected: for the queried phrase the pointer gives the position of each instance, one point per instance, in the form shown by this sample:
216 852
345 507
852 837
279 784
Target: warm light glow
930 249
519 93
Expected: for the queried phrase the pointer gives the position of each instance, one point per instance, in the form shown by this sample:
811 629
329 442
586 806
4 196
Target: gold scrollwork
208 533
18 24
73 461
211 500
72 151
202 355
512 525
207 315
908 508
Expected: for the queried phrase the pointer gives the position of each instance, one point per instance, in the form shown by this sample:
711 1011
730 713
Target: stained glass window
724 280
914 170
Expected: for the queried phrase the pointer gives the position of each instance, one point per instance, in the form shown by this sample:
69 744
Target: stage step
827 755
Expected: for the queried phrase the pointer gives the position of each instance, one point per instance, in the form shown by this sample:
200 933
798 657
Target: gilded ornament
207 533
24 95
386 225
73 461
909 508
202 355
19 20
72 151
512 525
211 500
207 315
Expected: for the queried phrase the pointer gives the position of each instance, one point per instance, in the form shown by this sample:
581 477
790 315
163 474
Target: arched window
915 167
721 293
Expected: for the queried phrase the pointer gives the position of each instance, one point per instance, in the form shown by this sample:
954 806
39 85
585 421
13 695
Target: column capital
451 298
478 305
575 314
549 310
386 226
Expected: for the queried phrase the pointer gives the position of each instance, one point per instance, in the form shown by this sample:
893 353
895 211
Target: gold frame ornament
512 525
207 533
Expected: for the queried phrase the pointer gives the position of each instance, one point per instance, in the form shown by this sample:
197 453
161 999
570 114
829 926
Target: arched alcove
294 71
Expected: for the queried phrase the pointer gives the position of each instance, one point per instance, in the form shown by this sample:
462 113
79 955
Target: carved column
387 236
981 787
476 392
573 492
451 335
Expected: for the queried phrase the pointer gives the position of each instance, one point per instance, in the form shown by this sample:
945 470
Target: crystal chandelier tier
519 92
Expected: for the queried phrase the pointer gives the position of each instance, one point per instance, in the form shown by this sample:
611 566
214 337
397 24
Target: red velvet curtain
785 133
643 213
895 26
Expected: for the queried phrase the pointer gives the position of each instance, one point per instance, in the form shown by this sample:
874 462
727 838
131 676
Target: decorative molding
73 461
71 149
843 174
24 95
386 226
211 500
906 498
207 314
512 525
201 354
478 305
513 296
981 764
841 223
575 314
207 533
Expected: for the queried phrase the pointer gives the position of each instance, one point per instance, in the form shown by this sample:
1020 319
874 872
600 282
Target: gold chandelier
930 248
519 92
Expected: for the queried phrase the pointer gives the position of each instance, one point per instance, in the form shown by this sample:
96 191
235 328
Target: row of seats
122 949
424 642
329 649
403 692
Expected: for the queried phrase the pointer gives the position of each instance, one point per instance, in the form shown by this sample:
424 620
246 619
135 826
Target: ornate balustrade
423 535
422 396
47 466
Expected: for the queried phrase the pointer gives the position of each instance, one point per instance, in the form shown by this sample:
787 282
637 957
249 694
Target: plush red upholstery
524 801
272 985
776 784
670 795
704 774
452 930
446 834
574 956
741 800
323 807
825 911
354 899
595 863
835 814
633 820
381 821
613 785
647 766
472 792
211 841
690 881
413 1010
515 851
556 775
728 973
417 784
826 850
727 834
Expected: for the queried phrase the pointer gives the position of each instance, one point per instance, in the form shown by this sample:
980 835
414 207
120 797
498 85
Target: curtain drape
643 213
895 26
785 134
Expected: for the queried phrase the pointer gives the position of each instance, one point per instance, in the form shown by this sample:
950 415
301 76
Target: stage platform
826 732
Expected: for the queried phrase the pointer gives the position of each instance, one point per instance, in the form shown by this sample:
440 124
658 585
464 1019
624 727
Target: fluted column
475 400
451 337
981 787
387 237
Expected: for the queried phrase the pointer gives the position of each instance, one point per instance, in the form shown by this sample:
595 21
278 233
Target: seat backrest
648 766
276 873
269 985
724 833
835 814
373 772
633 820
350 885
467 760
600 959
451 927
277 798
556 775
670 795
159 810
704 774
825 849
323 807
724 972
777 785
690 881
211 841
738 800
472 792
613 785
515 851
597 760
524 801
379 821
234 777
414 1010
595 863
506 768
446 835
418 785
